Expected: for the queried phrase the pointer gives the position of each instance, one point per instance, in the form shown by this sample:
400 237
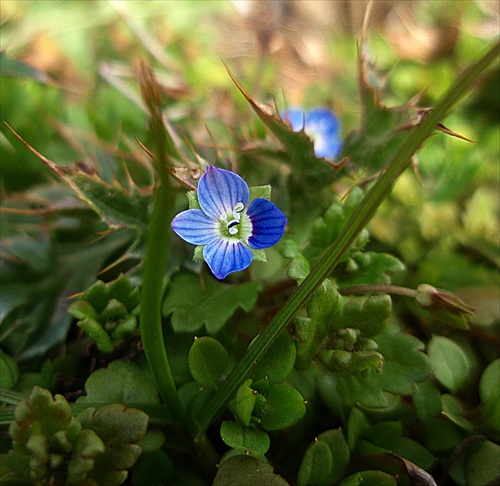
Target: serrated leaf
243 469
325 460
368 314
450 362
404 365
121 382
207 361
120 429
194 303
245 439
324 308
371 268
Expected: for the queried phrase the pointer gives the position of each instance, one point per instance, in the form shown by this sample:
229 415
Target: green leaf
325 460
453 410
482 466
404 364
305 331
324 307
260 192
489 391
368 314
194 303
450 362
9 371
245 439
243 469
357 423
153 468
207 361
277 363
370 268
121 382
379 478
427 401
284 406
243 403
120 429
49 443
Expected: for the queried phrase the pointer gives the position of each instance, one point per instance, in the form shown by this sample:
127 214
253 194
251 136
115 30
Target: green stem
343 242
377 289
157 247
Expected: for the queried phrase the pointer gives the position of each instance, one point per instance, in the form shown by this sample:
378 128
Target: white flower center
232 225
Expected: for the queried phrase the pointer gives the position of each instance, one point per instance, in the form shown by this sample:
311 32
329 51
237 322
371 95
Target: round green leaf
244 402
325 460
207 361
489 389
482 465
277 362
370 477
284 406
450 362
244 439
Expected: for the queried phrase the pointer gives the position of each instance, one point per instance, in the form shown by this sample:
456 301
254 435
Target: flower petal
220 190
268 223
324 128
294 117
195 227
226 256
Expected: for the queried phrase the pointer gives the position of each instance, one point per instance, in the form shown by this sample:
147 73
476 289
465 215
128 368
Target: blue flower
229 225
321 125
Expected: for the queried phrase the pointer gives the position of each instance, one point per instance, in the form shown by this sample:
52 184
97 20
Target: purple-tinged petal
195 227
220 190
294 117
226 256
268 223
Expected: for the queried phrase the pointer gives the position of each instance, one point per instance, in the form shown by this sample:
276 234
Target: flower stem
343 242
377 289
157 246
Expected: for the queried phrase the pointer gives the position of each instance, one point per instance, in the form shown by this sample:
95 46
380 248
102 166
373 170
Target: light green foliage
194 303
370 333
404 365
49 444
245 439
121 382
450 362
108 313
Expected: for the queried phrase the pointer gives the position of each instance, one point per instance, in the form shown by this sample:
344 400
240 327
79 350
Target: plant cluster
307 342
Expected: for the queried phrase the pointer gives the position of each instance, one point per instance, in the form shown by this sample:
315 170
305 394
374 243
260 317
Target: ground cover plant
249 243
